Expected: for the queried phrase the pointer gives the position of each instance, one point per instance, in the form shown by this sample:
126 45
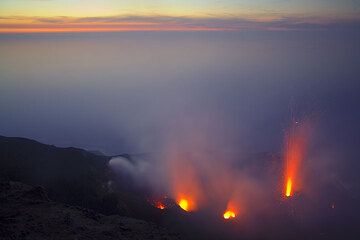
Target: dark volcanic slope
27 213
70 175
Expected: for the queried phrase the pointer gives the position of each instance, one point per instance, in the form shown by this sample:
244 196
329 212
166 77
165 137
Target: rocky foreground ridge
26 212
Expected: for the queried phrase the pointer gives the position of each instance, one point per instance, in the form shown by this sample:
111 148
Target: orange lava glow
232 210
184 181
160 205
288 188
295 147
184 204
229 214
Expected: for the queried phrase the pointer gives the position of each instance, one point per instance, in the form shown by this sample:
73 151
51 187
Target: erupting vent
160 205
296 141
288 187
229 214
184 204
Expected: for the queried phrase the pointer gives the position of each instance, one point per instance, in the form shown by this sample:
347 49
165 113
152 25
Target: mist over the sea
125 92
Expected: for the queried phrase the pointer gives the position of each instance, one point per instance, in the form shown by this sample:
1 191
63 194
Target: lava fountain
184 181
230 211
296 141
288 187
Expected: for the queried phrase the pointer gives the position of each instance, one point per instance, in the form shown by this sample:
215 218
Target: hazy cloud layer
118 23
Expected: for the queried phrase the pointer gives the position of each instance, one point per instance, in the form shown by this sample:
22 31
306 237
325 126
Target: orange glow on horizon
123 27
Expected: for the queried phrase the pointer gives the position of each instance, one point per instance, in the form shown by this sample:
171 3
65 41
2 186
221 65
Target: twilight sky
114 15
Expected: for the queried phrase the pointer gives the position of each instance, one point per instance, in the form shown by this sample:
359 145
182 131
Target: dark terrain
48 192
27 213
77 182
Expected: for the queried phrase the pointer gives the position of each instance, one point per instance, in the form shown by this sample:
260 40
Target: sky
195 15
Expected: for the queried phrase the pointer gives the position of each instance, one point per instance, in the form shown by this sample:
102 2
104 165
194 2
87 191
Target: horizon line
167 23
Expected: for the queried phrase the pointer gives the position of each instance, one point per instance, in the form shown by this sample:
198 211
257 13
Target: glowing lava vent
160 205
228 214
184 204
288 187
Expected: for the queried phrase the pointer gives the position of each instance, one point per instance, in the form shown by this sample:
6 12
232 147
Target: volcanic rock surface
27 213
